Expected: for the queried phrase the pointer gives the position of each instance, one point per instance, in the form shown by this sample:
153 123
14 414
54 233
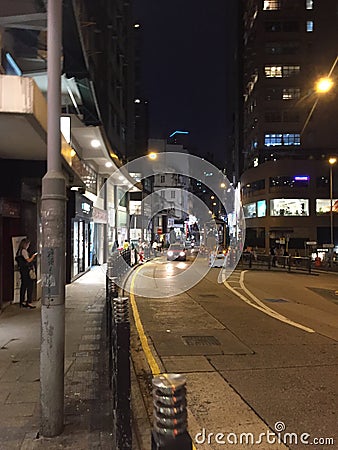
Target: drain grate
275 300
200 340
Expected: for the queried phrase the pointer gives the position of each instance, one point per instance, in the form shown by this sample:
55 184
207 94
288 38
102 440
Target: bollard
121 381
170 413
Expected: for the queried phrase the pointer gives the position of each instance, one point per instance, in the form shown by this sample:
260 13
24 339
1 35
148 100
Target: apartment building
289 125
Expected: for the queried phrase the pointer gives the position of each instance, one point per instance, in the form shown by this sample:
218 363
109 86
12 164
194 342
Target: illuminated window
261 208
291 139
281 71
279 139
323 206
271 5
309 26
291 93
289 207
309 4
273 71
271 140
250 210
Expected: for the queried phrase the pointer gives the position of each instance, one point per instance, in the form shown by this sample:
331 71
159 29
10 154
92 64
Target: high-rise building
289 125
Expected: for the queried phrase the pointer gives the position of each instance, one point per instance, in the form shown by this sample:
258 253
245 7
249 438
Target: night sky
185 49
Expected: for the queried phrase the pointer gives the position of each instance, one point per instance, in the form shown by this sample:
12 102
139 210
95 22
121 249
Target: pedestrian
273 256
25 263
126 245
154 247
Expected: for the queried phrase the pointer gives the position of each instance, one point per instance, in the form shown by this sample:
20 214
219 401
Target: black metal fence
118 339
252 260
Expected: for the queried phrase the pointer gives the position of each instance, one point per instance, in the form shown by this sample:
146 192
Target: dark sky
185 44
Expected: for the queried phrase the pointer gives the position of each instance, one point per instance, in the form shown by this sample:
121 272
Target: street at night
261 353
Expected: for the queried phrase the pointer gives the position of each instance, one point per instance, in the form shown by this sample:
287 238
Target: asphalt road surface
259 350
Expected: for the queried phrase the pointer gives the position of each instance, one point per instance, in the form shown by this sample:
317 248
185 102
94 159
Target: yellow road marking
154 367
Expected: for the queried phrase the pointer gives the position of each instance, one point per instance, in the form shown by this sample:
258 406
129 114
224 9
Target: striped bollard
170 413
121 372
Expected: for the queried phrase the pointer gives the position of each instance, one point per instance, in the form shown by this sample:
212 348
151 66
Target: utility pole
53 213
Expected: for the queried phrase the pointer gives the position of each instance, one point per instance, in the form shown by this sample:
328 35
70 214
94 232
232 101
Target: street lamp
324 85
332 162
152 155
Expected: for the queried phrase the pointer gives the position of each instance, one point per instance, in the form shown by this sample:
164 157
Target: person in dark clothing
24 261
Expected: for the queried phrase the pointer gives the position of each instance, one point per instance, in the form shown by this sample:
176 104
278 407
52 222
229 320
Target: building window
298 181
281 71
172 194
309 26
289 207
309 4
291 139
291 93
249 210
323 206
271 140
289 71
254 186
273 71
278 139
261 208
271 5
162 179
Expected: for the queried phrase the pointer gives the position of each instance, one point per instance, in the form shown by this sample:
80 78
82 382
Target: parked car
176 252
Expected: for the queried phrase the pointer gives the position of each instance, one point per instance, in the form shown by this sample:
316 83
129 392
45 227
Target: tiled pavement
88 422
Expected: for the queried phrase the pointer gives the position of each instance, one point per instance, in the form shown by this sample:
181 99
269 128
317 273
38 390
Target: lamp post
332 162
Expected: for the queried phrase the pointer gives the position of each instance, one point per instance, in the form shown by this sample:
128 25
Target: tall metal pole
331 215
53 213
331 212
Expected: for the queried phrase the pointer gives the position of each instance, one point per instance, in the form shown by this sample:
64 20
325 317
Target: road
258 350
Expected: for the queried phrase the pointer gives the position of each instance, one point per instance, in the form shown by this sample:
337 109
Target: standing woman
24 261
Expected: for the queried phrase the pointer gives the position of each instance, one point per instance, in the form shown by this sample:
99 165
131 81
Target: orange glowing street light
324 85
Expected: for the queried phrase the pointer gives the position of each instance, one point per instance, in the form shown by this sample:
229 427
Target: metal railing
118 341
252 260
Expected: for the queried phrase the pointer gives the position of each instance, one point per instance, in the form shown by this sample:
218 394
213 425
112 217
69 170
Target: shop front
79 241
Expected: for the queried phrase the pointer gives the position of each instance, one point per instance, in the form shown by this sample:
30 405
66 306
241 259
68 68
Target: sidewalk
88 422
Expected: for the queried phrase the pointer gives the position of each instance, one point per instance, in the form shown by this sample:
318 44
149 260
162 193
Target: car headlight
170 253
182 254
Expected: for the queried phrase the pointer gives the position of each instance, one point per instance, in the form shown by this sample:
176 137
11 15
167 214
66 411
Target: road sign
311 243
328 245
